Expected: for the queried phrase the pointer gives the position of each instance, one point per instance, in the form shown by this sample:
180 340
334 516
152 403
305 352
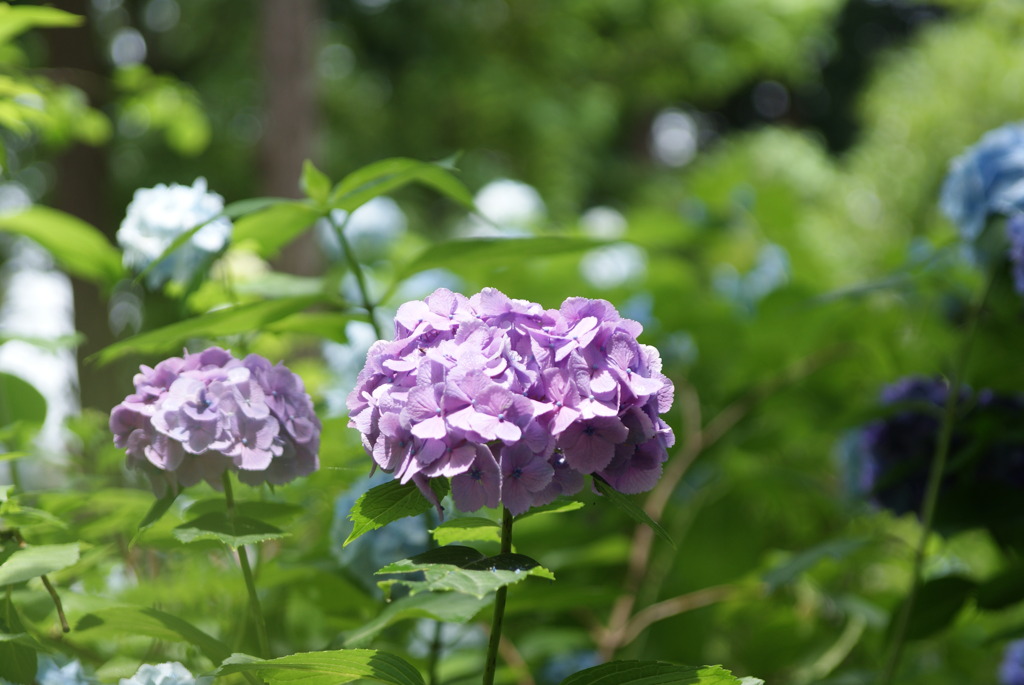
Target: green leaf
651 673
250 205
937 604
389 502
467 529
272 228
159 508
32 562
232 531
314 183
1002 590
462 569
560 505
452 254
788 571
323 324
326 668
630 508
380 178
280 513
16 20
244 318
20 401
153 623
448 607
17 648
78 247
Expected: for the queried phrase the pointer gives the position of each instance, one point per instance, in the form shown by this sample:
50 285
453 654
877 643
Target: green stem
250 583
499 604
931 495
357 269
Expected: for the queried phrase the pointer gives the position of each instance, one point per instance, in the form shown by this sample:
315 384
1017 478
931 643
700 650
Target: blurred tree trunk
289 40
81 188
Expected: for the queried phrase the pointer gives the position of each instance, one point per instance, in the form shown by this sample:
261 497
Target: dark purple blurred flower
192 418
513 402
986 454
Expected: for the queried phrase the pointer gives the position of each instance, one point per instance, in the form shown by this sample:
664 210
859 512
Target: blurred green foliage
780 569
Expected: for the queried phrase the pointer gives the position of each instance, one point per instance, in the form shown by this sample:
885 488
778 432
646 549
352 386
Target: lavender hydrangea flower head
513 402
192 418
157 216
987 179
171 673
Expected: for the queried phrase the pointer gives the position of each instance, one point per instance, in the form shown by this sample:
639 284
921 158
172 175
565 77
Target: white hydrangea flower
171 673
158 215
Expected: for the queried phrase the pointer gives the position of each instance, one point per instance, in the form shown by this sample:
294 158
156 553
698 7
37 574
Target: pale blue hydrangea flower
49 672
988 178
769 273
158 215
171 673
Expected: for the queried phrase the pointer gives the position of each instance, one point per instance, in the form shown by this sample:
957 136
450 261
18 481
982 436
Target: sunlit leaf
156 624
326 668
232 531
630 508
314 183
159 508
389 502
467 529
18 19
78 247
463 570
244 318
272 228
32 562
651 673
559 506
20 401
387 175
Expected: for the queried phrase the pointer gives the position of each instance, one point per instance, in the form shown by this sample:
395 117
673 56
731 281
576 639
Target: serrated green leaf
314 183
244 318
153 623
630 508
448 607
272 228
651 673
463 570
936 606
452 254
78 247
467 529
326 668
389 502
32 562
387 175
232 531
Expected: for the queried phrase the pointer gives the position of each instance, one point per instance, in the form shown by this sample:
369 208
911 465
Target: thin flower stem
490 666
250 583
357 270
931 495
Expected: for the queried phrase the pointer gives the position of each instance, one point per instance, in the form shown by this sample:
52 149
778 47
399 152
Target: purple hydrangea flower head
988 178
515 403
194 417
1011 670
